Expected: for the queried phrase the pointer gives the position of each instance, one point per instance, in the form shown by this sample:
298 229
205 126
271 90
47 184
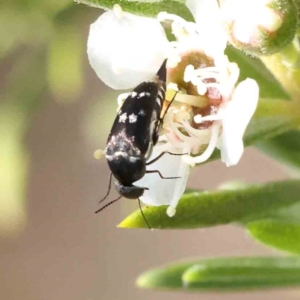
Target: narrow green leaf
281 235
285 148
253 68
167 277
243 273
203 209
287 214
225 274
144 8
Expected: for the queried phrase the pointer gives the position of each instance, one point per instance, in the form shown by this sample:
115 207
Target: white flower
207 15
232 118
165 191
216 83
226 122
210 110
124 49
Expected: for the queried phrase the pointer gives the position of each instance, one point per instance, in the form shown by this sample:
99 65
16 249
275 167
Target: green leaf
280 230
167 277
281 235
285 148
287 214
144 8
203 209
243 273
251 67
225 274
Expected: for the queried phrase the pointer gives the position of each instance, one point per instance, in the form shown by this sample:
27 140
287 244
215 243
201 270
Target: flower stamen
200 135
193 160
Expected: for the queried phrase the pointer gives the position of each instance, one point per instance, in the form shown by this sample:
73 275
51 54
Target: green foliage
210 208
280 230
41 51
65 63
251 67
262 128
282 235
16 106
226 273
144 8
285 148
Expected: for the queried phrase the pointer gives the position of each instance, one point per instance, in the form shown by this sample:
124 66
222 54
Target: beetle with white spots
133 135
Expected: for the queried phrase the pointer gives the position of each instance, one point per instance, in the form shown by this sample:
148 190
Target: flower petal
125 50
208 18
238 114
232 149
165 191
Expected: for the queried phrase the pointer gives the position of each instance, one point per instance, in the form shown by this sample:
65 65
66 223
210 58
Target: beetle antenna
108 204
170 103
109 186
143 214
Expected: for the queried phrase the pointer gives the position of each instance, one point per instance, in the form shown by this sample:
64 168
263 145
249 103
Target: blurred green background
54 112
42 58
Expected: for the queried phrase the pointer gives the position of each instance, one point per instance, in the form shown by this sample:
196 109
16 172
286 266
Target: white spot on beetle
133 159
142 113
120 153
109 157
132 118
158 101
123 117
133 94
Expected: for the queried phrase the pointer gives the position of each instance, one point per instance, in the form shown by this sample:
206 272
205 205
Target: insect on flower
211 110
133 135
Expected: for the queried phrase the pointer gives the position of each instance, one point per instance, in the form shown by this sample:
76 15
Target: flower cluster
211 109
